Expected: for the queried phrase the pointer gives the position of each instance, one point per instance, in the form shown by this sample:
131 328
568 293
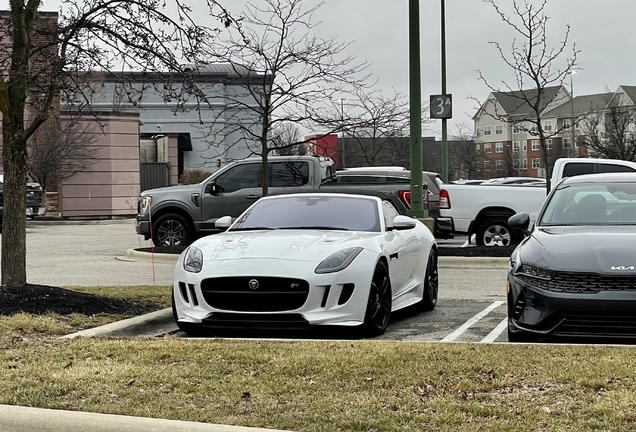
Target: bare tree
611 133
45 59
285 73
288 139
377 123
464 158
537 65
60 150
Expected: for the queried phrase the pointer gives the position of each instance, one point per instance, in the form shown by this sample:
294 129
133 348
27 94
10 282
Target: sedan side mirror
403 223
223 223
520 221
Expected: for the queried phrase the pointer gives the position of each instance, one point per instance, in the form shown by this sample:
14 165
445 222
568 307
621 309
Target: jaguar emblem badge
253 284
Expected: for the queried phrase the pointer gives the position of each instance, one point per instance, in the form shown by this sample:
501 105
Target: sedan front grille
582 283
255 294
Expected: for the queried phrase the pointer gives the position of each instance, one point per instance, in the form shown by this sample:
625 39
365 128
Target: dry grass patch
322 386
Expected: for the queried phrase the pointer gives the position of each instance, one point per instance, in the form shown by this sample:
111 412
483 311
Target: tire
496 232
378 310
188 328
431 284
171 230
521 337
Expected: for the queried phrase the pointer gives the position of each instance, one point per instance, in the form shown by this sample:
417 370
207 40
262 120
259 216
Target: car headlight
338 261
193 260
536 272
144 205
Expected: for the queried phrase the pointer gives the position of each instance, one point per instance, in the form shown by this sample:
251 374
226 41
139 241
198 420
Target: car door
400 260
231 193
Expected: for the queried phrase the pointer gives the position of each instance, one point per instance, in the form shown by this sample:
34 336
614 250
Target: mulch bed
41 299
477 251
473 251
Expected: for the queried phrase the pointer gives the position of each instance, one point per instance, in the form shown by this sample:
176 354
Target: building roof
630 91
582 104
514 103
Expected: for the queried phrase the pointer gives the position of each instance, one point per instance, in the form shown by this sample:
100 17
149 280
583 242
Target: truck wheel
171 230
496 232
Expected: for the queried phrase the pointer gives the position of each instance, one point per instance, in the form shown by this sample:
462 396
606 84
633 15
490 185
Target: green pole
417 192
444 121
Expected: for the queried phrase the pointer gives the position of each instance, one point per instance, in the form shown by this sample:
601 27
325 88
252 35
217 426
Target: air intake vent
520 305
184 292
345 295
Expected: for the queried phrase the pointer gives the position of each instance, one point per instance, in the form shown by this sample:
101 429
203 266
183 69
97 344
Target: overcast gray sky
603 31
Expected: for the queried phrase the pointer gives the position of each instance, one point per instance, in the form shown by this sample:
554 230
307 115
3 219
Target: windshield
592 204
311 212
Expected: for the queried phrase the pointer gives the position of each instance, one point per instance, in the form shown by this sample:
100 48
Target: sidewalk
23 419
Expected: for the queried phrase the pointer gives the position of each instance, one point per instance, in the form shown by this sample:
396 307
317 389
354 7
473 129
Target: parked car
300 260
34 200
574 275
468 182
433 181
484 210
515 180
176 216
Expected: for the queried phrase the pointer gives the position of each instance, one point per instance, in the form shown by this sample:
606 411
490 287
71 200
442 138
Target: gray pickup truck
178 215
34 200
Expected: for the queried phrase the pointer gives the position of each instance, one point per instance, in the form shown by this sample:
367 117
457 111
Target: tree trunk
14 158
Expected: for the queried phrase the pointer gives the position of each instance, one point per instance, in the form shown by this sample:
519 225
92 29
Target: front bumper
142 227
323 304
543 313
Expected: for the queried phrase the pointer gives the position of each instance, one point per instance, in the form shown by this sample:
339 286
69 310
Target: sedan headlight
338 261
193 260
144 205
536 272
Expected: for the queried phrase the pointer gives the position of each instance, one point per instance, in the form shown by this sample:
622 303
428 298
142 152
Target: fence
154 175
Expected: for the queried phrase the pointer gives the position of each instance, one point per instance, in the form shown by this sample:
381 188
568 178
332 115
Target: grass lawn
324 386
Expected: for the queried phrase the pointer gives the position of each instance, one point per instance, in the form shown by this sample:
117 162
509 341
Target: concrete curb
26 419
148 325
49 222
445 262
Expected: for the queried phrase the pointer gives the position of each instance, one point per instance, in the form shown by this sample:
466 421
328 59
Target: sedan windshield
311 212
592 204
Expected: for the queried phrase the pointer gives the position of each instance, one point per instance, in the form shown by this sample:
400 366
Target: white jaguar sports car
292 261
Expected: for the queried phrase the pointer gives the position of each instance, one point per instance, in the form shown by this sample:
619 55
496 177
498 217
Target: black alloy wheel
431 283
378 313
171 230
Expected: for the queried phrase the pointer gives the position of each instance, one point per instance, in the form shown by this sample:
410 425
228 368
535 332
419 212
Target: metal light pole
572 106
343 131
417 192
444 121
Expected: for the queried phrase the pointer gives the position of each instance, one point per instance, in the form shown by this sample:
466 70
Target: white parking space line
471 322
494 334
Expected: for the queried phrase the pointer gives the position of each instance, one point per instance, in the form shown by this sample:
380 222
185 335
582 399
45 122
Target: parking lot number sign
442 106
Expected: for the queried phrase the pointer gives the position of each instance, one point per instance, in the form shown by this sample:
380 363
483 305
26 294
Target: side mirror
211 188
403 223
223 223
520 221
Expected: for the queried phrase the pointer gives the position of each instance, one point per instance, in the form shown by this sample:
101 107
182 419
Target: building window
524 164
487 165
499 165
567 123
536 163
516 163
533 130
477 148
499 148
547 125
525 146
515 146
535 145
567 142
498 130
517 128
487 148
576 144
487 130
548 144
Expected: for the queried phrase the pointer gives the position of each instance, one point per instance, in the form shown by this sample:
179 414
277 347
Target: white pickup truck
483 210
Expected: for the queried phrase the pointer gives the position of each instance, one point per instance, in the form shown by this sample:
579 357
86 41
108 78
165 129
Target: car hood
172 189
590 249
293 245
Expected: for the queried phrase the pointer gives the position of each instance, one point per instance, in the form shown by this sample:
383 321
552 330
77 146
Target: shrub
194 176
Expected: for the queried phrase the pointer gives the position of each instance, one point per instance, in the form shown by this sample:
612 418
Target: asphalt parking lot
471 298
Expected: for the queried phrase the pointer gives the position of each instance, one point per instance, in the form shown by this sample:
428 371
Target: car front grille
583 283
267 294
597 325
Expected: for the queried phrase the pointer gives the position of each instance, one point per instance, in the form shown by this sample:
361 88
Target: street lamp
341 100
415 90
572 72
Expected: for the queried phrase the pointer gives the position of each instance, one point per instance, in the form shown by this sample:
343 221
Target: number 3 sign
441 106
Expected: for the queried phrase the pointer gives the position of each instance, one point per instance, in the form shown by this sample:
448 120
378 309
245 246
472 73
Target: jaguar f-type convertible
574 275
300 260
